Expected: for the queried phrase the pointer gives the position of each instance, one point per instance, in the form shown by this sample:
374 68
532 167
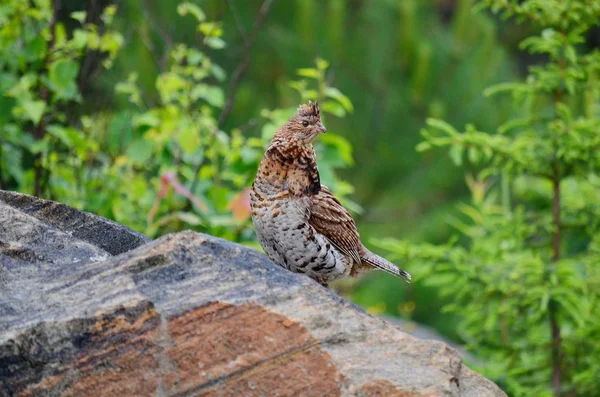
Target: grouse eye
305 123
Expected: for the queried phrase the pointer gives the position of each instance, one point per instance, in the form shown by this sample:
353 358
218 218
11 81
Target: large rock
90 308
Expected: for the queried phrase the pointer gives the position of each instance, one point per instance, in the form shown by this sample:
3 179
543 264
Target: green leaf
63 72
473 154
268 131
188 140
169 85
340 145
13 160
62 75
212 94
334 108
190 218
442 125
7 81
440 279
194 57
80 38
321 64
503 87
190 8
147 119
570 54
139 151
79 16
309 72
39 146
35 49
218 72
108 14
120 131
514 123
216 43
111 43
456 153
423 146
209 29
60 35
6 106
60 132
34 110
69 136
341 98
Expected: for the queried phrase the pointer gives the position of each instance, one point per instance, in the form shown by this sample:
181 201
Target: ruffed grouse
299 222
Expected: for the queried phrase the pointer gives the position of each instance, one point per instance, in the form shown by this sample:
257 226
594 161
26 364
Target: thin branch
556 216
152 48
90 61
251 123
166 38
238 20
557 374
552 307
241 69
2 185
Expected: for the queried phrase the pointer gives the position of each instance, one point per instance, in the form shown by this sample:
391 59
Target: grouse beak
322 128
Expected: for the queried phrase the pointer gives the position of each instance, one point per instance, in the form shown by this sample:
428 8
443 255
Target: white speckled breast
282 227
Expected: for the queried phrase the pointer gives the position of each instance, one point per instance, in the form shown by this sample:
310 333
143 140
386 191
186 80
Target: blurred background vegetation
156 114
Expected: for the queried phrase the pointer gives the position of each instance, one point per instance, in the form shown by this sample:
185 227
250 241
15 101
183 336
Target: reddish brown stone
235 350
384 388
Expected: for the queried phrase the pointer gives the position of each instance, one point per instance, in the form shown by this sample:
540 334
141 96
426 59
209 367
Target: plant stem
505 189
556 214
2 187
40 129
556 239
552 307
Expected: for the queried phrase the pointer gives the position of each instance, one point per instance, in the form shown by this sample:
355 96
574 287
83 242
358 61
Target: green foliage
181 135
156 167
524 271
39 65
421 59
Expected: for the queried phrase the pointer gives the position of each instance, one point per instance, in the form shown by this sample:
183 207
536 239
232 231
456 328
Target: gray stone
105 234
189 314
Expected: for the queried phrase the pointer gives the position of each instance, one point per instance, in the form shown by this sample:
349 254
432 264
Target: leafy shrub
39 66
156 167
524 271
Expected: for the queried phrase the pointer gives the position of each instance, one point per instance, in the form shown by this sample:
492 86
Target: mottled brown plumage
300 224
330 218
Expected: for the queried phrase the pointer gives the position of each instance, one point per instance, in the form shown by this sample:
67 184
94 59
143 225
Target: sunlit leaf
341 98
215 43
190 8
79 16
309 72
139 151
34 110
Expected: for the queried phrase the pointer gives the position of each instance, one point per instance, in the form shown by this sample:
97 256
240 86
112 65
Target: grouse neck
291 168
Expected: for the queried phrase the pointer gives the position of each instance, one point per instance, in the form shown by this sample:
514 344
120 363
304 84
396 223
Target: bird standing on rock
300 224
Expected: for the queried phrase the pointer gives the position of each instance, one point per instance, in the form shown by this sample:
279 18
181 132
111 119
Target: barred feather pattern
300 223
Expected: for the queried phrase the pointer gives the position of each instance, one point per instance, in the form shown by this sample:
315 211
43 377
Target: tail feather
383 264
